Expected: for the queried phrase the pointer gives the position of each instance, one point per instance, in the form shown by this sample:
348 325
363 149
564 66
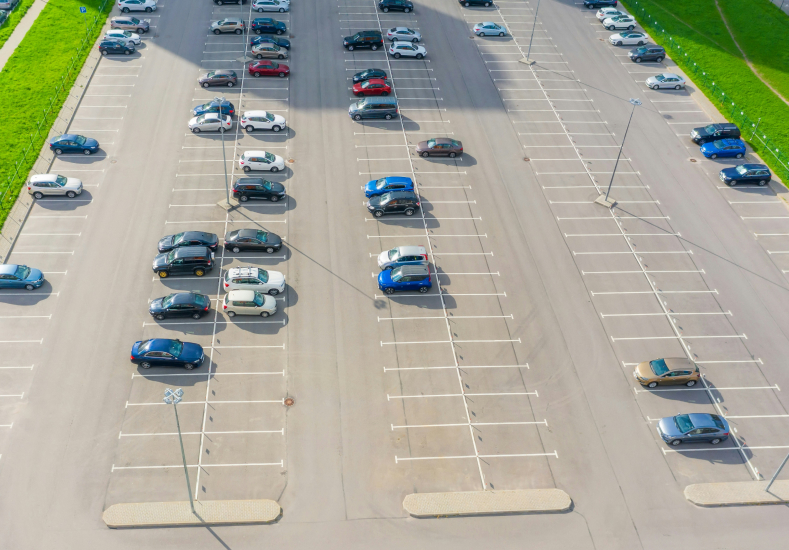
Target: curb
179 514
477 503
738 493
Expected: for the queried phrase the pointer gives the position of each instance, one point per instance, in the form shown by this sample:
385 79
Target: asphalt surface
513 372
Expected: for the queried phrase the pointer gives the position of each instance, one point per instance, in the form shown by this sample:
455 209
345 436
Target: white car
261 160
262 120
249 302
271 5
210 122
269 51
136 5
628 39
398 49
53 184
605 13
254 278
489 29
403 33
620 22
127 37
666 80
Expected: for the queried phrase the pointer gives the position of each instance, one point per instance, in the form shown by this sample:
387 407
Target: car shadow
264 135
682 394
270 326
462 161
63 203
78 159
183 327
258 259
22 297
263 206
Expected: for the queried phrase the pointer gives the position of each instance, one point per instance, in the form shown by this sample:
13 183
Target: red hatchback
268 68
374 86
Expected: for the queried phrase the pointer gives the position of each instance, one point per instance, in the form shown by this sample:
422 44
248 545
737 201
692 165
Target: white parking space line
539 422
661 314
198 466
464 367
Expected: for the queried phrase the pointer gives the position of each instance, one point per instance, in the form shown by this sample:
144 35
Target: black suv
367 74
468 3
107 47
398 5
179 305
220 2
600 4
746 173
726 130
257 188
268 25
198 260
394 202
649 52
364 39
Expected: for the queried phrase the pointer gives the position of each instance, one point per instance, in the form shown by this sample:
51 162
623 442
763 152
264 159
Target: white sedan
398 49
605 13
261 160
487 29
271 5
666 80
403 33
620 22
262 120
127 37
628 39
136 5
210 122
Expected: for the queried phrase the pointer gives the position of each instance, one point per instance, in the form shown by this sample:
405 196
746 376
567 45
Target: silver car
271 5
403 33
269 51
402 255
254 278
136 5
53 184
231 24
210 122
129 23
127 37
666 80
249 302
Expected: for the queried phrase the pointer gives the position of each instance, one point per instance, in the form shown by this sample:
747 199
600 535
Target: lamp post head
173 397
636 102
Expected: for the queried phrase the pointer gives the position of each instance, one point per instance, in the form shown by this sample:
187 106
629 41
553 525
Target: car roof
241 295
8 269
192 251
400 29
487 23
248 232
402 194
198 235
248 270
679 363
414 270
379 99
702 420
411 250
672 75
255 153
65 136
43 177
159 344
398 179
224 71
731 141
255 113
183 298
442 140
756 167
724 125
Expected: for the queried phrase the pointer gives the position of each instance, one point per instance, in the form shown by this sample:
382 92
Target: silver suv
254 278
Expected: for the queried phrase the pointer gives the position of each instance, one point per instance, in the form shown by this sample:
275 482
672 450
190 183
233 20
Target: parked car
252 239
254 278
693 428
281 42
468 3
439 147
224 107
591 4
629 38
267 25
107 47
403 33
395 5
647 53
746 173
249 302
181 304
262 120
210 122
724 148
220 2
136 5
8 5
3 16
402 255
268 68
188 238
53 184
489 28
398 50
20 276
620 22
374 107
127 37
258 188
711 132
373 86
668 371
604 13
389 183
261 160
364 39
218 78
129 23
230 24
271 5
197 260
164 352
666 80
368 74
394 202
269 51
73 143
407 277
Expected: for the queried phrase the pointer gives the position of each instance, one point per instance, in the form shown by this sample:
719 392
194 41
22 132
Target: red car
374 86
268 68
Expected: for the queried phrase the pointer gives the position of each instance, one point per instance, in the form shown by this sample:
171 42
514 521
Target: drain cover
291 161
289 402
692 160
527 159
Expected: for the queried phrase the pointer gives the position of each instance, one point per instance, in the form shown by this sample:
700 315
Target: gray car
53 184
8 4
128 23
230 24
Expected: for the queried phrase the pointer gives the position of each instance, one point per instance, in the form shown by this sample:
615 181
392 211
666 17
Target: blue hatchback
20 276
226 107
407 277
164 352
378 187
724 148
693 428
73 143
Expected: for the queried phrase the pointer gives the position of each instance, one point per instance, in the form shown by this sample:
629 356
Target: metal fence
749 127
31 151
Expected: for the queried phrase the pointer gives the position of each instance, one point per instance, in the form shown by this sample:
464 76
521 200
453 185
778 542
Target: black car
713 132
746 173
647 53
252 239
394 202
367 74
257 188
281 42
181 304
267 25
396 5
197 260
590 4
107 47
189 238
364 39
164 352
468 3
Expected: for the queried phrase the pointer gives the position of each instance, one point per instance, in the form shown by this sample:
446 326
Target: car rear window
717 420
201 300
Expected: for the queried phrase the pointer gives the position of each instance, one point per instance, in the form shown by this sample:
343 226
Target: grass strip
13 20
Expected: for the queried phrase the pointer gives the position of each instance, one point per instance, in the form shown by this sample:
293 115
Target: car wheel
218 2
357 117
739 155
487 4
195 130
389 268
761 183
206 84
243 198
386 10
425 154
280 56
29 287
676 442
38 195
652 385
637 60
397 56
641 43
273 292
423 289
86 152
611 28
282 75
230 84
501 34
270 250
350 48
467 4
125 10
217 31
655 87
279 31
630 28
258 31
373 47
141 31
389 290
58 151
274 198
256 75
677 87
145 365
618 43
189 366
148 10
452 155
276 128
388 117
732 183
127 52
71 194
658 59
264 314
274 169
231 313
715 441
409 212
690 383
378 213
196 315
163 274
406 10
160 316
103 52
713 156
282 10
419 56
384 93
260 10
258 56
236 250
199 272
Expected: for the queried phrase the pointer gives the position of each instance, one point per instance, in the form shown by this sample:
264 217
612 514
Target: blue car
226 107
746 173
407 277
20 276
378 187
693 428
164 352
724 148
281 42
73 143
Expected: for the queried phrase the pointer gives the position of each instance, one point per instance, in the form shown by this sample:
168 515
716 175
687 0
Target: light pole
778 471
174 397
221 101
603 199
528 59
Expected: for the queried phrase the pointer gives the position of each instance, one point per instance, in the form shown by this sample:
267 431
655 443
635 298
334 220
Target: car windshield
176 347
360 103
356 37
201 118
397 274
263 275
393 254
167 301
22 271
718 143
642 50
274 65
80 140
259 300
262 236
269 157
61 180
211 74
431 143
381 183
178 237
127 34
385 198
267 185
742 170
269 117
170 256
366 84
659 366
660 78
709 129
683 423
135 21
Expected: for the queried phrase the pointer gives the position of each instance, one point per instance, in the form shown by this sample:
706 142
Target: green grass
701 34
29 85
13 20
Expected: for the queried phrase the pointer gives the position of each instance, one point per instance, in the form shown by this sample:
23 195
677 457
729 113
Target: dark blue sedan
226 107
267 25
407 277
693 428
281 42
724 148
384 185
73 143
163 352
746 173
20 276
